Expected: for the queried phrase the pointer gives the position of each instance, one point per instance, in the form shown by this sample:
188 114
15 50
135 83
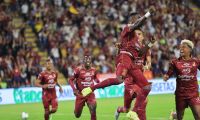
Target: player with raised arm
47 80
132 90
185 68
130 50
84 76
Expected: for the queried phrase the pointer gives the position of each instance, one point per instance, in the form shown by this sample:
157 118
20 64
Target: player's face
140 35
49 65
87 61
185 50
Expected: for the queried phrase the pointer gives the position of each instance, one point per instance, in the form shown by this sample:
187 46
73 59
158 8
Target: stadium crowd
67 29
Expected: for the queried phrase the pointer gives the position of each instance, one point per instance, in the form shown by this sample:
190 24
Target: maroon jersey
186 73
129 42
139 62
83 78
50 78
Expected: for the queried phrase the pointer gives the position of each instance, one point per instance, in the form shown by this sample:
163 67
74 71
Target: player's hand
152 10
76 92
45 86
117 45
165 77
153 39
60 90
146 67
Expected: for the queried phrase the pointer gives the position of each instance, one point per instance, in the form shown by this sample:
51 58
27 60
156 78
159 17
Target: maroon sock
106 83
93 115
122 110
140 104
46 116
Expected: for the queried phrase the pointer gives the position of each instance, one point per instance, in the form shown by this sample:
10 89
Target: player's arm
169 72
150 44
72 82
198 61
139 22
57 83
38 82
147 65
96 78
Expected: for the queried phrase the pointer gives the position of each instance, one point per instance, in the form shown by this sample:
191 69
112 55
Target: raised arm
139 22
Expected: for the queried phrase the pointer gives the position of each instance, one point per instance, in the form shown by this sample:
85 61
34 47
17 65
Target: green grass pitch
158 108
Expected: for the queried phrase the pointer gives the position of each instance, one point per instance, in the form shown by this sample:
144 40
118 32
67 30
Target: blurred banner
34 94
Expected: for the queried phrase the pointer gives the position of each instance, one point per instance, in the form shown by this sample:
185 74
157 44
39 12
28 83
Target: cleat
50 117
116 115
173 115
86 91
131 115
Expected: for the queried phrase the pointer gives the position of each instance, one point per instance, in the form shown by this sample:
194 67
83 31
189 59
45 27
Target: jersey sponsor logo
53 76
186 65
86 84
186 77
88 78
186 70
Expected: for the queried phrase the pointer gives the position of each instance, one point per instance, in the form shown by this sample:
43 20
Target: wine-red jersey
186 73
50 78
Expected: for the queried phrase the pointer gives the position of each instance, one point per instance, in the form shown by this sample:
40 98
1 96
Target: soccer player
47 80
126 65
84 76
185 69
131 90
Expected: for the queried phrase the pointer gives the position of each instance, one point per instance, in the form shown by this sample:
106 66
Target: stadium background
32 30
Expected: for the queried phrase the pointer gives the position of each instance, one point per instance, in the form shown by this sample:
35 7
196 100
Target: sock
140 104
46 115
122 110
93 115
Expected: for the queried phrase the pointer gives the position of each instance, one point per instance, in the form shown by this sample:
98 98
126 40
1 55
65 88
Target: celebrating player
47 80
185 69
84 76
126 65
131 90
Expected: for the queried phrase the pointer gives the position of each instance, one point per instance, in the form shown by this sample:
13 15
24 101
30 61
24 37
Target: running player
47 80
84 76
185 69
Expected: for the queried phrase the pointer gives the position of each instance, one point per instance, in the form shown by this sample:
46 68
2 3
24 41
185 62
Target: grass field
158 108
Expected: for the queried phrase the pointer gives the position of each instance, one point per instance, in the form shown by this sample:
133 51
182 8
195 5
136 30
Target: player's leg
54 104
121 73
181 104
91 103
123 65
46 105
79 104
195 107
127 104
145 86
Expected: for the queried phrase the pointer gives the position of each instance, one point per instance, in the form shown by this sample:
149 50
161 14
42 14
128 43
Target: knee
147 88
93 108
77 115
120 79
53 110
46 111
